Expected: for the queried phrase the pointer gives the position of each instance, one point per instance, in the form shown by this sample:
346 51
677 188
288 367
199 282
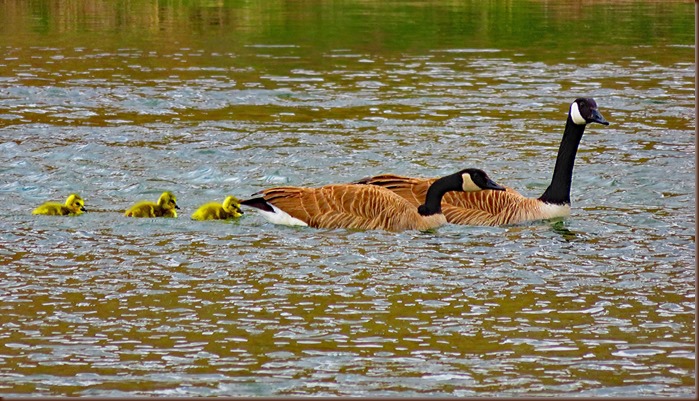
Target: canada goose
75 205
366 207
217 211
494 208
167 203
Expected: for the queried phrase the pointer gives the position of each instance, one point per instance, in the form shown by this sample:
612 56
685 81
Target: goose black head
476 180
584 111
467 180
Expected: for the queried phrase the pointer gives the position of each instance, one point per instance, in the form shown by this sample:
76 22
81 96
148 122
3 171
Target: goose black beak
597 118
177 207
83 209
490 184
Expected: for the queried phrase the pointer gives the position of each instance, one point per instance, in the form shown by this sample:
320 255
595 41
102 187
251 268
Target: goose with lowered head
365 207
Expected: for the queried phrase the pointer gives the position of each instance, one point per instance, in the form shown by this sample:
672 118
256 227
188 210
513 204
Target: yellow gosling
74 206
165 207
230 209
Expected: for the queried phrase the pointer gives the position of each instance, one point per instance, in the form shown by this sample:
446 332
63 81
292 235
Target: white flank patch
281 217
551 211
575 114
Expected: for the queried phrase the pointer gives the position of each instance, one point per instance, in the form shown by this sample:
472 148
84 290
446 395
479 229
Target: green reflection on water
368 26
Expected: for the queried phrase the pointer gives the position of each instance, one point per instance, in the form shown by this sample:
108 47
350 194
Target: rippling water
601 304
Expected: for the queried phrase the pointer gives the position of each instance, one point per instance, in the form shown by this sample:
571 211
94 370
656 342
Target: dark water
119 101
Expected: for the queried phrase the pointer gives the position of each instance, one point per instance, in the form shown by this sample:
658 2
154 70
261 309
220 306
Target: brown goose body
365 207
494 208
483 208
350 206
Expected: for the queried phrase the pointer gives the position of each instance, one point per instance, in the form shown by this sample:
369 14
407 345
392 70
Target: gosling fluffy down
229 209
74 206
165 207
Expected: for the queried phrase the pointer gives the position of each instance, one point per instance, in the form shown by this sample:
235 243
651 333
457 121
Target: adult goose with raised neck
494 208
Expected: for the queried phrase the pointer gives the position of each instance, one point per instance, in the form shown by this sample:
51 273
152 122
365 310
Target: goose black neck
436 191
558 191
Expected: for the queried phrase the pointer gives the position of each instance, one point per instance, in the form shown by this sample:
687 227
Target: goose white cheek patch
575 114
469 185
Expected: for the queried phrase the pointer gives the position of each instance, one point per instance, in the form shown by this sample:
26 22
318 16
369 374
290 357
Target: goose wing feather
414 190
346 206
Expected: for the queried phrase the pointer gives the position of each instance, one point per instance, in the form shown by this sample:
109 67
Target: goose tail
272 213
258 203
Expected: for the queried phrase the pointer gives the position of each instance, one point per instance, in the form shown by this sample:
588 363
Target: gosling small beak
177 207
83 209
597 118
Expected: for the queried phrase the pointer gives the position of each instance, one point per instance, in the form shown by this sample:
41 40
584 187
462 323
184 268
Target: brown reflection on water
258 320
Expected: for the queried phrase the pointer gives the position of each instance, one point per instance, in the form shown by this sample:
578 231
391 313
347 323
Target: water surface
121 101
